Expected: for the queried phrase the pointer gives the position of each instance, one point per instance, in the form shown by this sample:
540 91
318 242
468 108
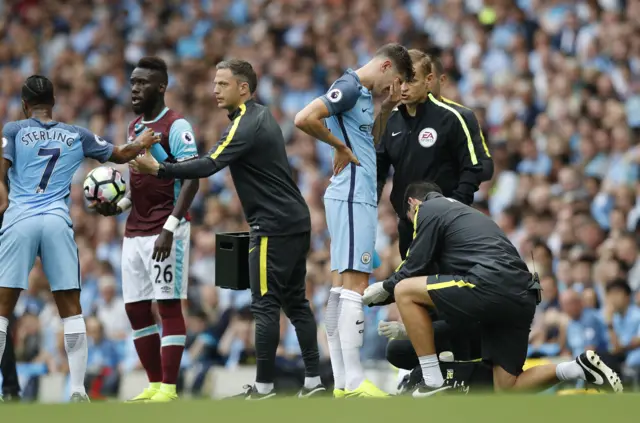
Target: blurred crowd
554 83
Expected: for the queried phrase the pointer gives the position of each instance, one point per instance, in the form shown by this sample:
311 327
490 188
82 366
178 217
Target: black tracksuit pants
277 273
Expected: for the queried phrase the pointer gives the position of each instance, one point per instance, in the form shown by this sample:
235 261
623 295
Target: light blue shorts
46 236
352 228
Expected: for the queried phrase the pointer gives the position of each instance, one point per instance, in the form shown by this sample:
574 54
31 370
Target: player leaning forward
41 155
155 252
483 280
351 203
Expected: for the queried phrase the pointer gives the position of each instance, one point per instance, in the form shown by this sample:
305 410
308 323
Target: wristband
124 204
171 224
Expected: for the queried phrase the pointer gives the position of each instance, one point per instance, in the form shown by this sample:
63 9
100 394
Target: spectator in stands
548 331
102 364
236 344
623 324
585 329
110 310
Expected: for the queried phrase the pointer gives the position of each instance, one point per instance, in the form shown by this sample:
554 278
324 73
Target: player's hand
394 97
392 330
105 209
162 246
375 295
148 138
342 157
4 198
145 164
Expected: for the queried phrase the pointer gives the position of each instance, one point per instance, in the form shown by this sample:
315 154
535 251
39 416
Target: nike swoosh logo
312 392
364 110
359 322
393 134
598 379
251 249
419 394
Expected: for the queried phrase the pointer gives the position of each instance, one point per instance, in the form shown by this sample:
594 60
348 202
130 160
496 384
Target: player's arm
235 142
7 151
383 164
127 152
386 108
427 230
182 143
468 164
342 97
96 148
480 144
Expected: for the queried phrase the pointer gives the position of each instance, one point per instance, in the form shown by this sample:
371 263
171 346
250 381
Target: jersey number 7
54 153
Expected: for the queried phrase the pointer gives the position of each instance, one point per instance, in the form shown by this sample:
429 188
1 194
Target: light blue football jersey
44 157
351 120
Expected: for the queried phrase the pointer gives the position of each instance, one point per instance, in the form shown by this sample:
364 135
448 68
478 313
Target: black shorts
278 267
504 320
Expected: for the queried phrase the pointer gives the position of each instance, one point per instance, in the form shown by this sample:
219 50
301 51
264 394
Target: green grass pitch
452 409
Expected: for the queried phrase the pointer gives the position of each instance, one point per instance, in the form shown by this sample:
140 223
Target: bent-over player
351 203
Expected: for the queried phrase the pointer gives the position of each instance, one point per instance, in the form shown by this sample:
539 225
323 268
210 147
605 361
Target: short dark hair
620 284
420 190
400 58
242 70
436 65
156 64
38 89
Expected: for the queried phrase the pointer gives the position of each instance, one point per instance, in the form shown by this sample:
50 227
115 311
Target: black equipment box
232 260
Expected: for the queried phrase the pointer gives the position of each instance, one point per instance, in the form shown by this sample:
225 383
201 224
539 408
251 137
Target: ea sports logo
427 137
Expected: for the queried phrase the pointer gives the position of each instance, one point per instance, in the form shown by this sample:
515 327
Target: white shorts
144 279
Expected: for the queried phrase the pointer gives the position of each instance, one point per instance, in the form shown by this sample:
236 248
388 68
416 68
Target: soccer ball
104 184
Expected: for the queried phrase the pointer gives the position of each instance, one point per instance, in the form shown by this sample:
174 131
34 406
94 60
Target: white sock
75 344
4 325
264 388
570 370
333 337
431 371
312 382
351 328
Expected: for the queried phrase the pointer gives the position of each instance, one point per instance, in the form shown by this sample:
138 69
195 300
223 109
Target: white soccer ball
104 184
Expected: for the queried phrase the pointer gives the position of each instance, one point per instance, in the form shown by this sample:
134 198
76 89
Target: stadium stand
555 84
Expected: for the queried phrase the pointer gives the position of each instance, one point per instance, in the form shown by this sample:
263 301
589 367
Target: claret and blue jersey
351 198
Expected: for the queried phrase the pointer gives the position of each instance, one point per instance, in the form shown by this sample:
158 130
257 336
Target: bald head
571 303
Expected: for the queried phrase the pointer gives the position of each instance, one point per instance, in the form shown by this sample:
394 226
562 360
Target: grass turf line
467 409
